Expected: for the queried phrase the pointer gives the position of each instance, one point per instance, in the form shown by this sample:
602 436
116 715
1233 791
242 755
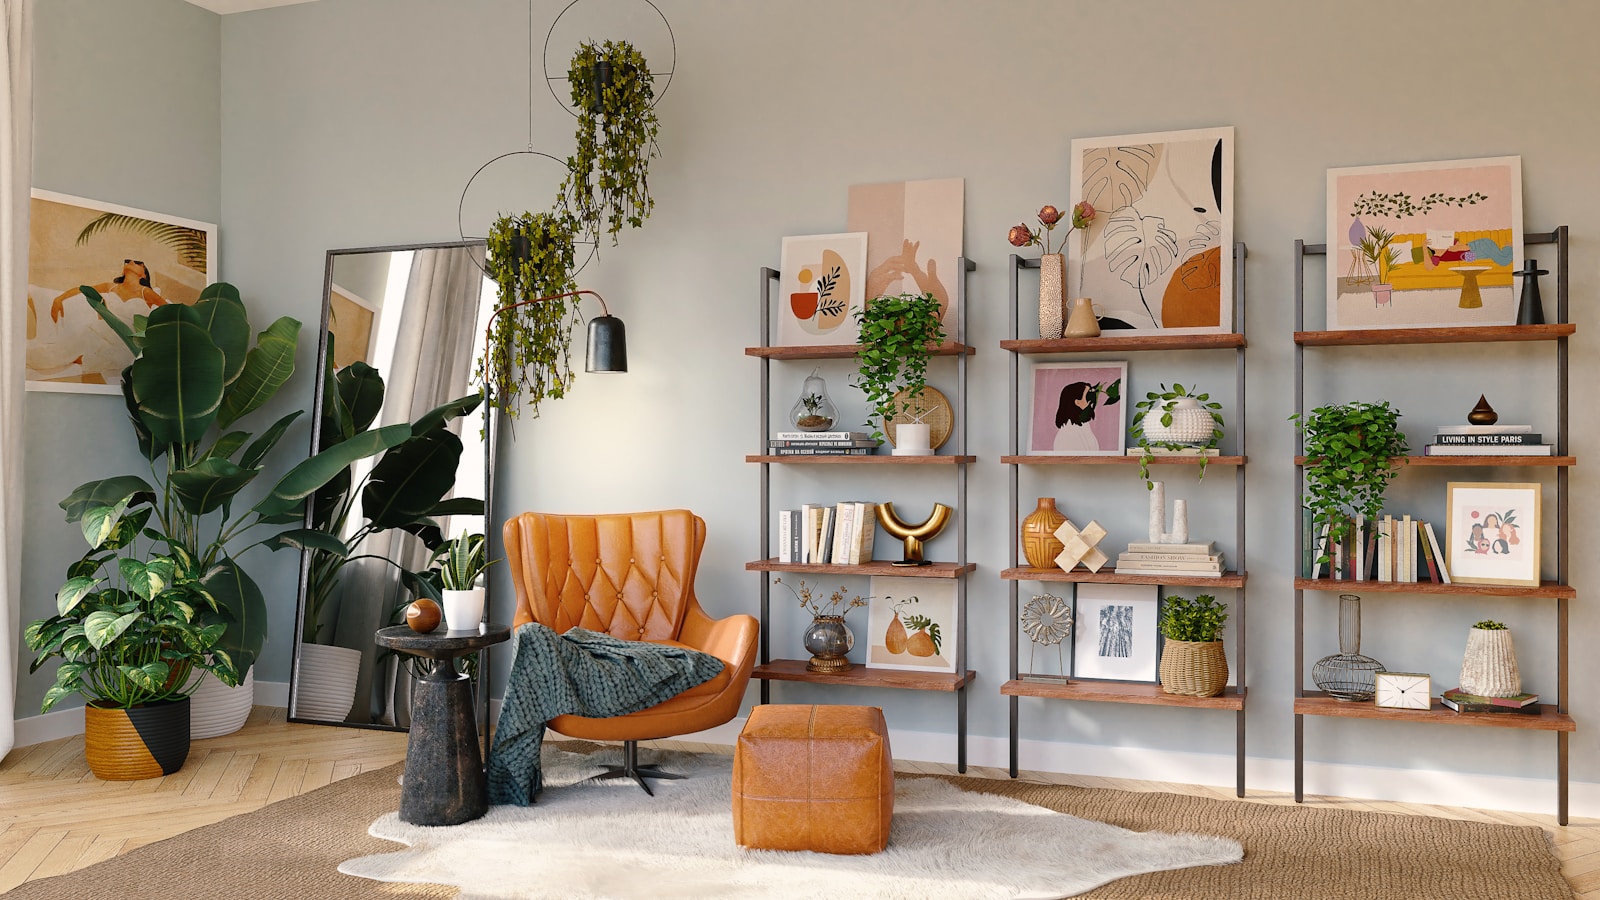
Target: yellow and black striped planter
144 742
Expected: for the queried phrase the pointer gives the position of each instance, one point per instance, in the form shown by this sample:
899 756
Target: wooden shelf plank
876 567
1322 705
1548 589
878 460
1032 460
861 676
1111 343
1468 335
843 351
1456 461
1121 692
1109 575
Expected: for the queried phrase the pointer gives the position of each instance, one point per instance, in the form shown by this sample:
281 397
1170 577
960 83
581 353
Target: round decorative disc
930 408
1046 620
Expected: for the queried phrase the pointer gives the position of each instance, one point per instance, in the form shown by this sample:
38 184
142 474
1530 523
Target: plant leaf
101 627
361 394
266 367
221 313
209 483
411 479
239 595
98 304
263 445
107 492
74 591
177 380
307 539
439 415
313 473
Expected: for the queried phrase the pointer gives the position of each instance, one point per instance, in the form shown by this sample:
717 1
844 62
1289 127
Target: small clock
1403 690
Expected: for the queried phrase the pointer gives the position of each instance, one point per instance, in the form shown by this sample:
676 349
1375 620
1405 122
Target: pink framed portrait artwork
1077 409
1493 533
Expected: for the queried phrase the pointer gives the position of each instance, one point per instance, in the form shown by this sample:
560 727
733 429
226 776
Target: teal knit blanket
583 673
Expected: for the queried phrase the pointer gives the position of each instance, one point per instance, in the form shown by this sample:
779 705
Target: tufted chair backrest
630 575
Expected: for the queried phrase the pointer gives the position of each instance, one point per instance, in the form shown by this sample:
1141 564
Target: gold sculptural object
913 536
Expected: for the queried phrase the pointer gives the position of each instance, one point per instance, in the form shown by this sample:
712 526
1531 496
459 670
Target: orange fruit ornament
423 615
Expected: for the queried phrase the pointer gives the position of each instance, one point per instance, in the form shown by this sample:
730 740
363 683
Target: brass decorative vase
829 640
1052 295
1040 546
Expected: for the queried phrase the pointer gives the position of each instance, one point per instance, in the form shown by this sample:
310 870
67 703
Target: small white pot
912 439
1191 424
463 610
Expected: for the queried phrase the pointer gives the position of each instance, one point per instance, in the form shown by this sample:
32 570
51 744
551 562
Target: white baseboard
49 726
272 693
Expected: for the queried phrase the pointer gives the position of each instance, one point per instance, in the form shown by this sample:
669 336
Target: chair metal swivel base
630 768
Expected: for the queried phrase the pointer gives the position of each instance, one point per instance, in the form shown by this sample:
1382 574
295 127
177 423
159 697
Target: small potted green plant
1350 451
898 336
613 95
1183 422
529 357
461 564
1489 665
1192 659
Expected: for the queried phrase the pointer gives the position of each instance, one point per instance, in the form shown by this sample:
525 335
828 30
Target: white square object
1403 690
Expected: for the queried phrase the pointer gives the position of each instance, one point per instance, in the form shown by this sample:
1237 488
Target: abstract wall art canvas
1078 409
1493 532
1114 632
1158 256
914 238
1421 245
821 285
911 624
135 260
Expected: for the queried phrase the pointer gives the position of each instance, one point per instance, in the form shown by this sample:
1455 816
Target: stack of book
1188 560
821 443
1521 704
1487 440
1391 548
839 535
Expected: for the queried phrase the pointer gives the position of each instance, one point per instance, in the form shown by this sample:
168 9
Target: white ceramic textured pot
216 709
1191 424
1489 667
325 682
463 610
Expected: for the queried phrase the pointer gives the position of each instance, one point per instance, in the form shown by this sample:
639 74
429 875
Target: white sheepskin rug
609 840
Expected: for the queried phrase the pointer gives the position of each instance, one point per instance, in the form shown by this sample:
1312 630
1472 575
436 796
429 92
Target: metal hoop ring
461 205
550 80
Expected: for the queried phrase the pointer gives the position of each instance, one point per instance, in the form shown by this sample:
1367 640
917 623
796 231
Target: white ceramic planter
463 610
912 439
325 683
1191 424
216 709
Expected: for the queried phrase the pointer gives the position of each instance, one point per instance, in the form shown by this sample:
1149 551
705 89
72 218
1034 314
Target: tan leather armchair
632 576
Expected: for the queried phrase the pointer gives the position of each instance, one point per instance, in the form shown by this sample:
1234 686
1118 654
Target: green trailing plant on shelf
1198 620
529 357
898 336
608 181
1162 404
1490 625
1349 451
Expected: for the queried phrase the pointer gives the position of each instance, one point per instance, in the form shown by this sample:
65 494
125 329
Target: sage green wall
127 109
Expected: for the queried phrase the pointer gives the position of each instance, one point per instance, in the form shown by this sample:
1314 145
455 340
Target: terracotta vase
1040 546
1052 295
1082 323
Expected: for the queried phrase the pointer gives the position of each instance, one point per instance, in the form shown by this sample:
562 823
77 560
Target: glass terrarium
814 411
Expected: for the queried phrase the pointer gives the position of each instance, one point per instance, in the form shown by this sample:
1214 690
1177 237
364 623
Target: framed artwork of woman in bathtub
1421 245
135 260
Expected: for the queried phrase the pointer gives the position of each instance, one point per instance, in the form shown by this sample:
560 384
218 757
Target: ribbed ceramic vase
1040 546
1052 295
147 741
1489 668
216 709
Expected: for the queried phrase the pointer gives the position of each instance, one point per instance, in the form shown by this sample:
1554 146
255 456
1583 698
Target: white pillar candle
912 439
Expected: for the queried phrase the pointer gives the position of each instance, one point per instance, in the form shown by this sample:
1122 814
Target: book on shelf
1185 451
1358 537
1484 429
1319 549
1407 539
820 451
1202 564
1140 556
788 535
1386 549
821 436
783 442
1195 549
1186 573
866 529
1482 450
1471 440
1438 553
1462 706
844 515
1425 553
1516 701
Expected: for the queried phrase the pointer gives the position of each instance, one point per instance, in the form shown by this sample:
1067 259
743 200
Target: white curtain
16 175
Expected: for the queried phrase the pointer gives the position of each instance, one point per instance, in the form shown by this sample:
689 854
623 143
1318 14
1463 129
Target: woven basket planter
1489 668
144 742
1194 668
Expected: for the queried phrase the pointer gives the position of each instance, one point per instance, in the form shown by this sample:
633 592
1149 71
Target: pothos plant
898 336
529 356
608 174
1349 451
1161 403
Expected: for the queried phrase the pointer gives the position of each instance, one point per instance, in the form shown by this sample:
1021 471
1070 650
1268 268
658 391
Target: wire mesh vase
1347 675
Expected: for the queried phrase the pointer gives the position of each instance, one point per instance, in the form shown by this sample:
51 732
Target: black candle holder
1530 309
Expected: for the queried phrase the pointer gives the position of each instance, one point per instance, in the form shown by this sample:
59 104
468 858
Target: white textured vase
463 610
1191 424
216 709
1052 295
1489 668
325 682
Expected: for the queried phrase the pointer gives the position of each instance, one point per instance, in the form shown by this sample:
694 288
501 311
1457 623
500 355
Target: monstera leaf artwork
1115 177
1139 249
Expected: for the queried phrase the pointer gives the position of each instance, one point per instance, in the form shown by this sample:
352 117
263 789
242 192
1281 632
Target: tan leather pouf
813 778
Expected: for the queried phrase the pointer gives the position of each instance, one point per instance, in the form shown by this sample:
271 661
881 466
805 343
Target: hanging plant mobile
529 356
613 94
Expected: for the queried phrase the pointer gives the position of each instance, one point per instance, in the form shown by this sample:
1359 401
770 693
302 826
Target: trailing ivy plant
1164 401
608 174
1349 448
529 356
1198 620
898 336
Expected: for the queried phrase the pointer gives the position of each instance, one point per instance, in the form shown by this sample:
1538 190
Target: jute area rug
293 848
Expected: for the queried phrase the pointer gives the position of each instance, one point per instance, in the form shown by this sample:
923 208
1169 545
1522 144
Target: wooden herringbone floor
56 817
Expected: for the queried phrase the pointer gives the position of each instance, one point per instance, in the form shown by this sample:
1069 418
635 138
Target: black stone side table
445 783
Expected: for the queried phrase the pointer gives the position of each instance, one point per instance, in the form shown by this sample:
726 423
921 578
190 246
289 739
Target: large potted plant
1350 450
161 592
1192 659
613 95
898 336
529 356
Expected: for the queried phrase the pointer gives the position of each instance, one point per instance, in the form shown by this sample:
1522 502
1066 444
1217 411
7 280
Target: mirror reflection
402 331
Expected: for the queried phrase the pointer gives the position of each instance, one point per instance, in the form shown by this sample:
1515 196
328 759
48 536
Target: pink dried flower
1049 215
1082 214
1022 236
